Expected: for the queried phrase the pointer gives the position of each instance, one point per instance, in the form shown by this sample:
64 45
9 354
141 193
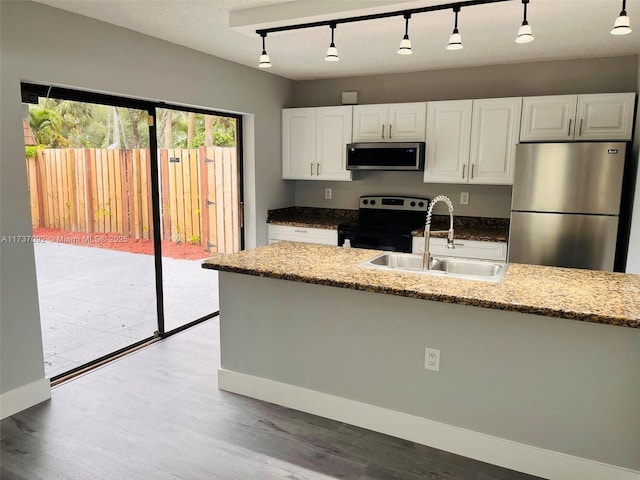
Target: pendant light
455 40
622 25
405 43
264 57
332 51
524 32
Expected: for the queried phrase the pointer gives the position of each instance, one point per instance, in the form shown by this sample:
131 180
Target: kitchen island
538 372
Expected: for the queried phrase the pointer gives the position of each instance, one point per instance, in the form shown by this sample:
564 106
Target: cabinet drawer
464 248
277 233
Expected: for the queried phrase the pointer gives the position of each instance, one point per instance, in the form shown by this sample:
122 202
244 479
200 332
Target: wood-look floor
158 414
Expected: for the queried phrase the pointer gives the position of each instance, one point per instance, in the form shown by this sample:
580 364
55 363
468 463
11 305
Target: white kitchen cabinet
606 116
464 248
278 233
314 143
495 125
448 141
389 122
472 141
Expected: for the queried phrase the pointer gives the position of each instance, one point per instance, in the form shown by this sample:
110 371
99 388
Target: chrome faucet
426 256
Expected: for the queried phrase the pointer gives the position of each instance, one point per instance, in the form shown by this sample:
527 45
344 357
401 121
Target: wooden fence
109 191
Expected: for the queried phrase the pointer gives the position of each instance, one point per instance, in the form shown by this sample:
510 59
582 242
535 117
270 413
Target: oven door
376 240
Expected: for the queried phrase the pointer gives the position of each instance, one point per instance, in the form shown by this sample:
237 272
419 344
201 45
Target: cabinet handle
455 244
569 132
473 169
312 169
580 132
300 231
464 168
383 130
317 169
390 131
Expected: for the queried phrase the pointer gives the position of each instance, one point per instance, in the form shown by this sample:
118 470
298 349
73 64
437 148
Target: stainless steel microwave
386 156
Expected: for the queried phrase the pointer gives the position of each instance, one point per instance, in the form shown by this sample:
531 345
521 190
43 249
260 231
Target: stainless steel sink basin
466 268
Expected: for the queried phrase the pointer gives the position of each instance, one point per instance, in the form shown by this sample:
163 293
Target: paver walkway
94 301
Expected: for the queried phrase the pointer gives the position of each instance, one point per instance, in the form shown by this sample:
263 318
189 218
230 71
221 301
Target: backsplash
484 200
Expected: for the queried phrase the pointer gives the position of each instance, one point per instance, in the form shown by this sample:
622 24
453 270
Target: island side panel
562 385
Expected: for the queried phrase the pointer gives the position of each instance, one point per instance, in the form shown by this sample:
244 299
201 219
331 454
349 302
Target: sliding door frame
31 92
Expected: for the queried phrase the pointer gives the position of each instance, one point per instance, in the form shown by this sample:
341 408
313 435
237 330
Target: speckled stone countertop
585 295
310 217
470 228
465 228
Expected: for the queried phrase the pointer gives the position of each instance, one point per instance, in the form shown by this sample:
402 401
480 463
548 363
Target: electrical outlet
464 198
432 359
327 194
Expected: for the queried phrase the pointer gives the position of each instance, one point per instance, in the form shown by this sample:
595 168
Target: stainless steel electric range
385 223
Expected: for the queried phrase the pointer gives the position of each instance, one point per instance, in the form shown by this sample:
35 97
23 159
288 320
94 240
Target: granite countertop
584 295
465 228
310 217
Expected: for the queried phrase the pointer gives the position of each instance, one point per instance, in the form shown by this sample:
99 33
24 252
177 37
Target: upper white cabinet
448 141
314 142
394 122
606 116
472 141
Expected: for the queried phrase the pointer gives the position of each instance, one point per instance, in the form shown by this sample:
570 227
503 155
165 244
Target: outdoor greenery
69 124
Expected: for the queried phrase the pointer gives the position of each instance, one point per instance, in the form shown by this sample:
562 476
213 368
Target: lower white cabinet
464 248
325 236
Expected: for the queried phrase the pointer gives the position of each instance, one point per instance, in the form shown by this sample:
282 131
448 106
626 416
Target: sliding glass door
126 201
200 207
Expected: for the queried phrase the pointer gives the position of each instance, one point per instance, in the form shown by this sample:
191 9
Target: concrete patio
94 301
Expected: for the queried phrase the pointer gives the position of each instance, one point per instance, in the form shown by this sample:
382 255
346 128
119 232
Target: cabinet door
334 125
463 248
278 233
605 116
548 118
448 141
298 143
370 123
406 122
495 127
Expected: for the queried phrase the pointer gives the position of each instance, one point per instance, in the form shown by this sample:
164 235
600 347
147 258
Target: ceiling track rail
362 18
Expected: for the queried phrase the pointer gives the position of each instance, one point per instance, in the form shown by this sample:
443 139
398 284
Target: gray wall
43 44
633 258
526 378
598 75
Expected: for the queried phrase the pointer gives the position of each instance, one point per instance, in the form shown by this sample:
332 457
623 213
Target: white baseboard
486 448
24 397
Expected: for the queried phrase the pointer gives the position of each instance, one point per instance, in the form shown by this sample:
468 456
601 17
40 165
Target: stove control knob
373 202
421 204
366 202
413 204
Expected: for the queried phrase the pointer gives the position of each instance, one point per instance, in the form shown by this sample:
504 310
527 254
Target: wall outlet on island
327 194
464 198
432 359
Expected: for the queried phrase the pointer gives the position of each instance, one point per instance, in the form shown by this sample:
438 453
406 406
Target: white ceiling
562 29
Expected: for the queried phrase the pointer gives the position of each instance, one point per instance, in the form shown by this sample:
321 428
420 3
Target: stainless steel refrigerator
565 205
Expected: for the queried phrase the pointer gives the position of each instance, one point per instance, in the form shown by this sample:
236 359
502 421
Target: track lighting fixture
405 43
455 40
622 25
332 51
264 57
524 32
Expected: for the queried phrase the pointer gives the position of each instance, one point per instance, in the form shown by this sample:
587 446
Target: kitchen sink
466 268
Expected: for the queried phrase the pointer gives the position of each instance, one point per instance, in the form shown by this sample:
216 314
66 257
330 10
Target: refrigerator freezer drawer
563 240
569 177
